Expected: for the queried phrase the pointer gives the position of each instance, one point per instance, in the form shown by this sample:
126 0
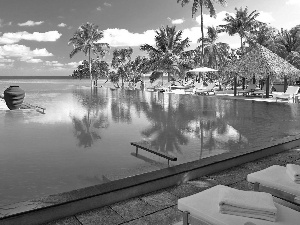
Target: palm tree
86 39
100 69
241 24
288 41
200 4
215 52
120 61
169 46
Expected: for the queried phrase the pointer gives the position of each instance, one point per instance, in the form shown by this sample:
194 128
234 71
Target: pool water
84 137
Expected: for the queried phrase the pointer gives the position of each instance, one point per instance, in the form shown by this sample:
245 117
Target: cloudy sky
34 33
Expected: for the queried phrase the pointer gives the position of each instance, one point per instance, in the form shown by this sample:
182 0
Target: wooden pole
267 86
285 84
234 85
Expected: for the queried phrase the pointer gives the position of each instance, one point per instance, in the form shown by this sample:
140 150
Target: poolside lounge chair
138 85
249 89
206 90
289 94
275 181
203 208
262 92
197 86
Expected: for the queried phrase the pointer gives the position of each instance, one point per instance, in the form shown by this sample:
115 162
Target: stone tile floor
160 207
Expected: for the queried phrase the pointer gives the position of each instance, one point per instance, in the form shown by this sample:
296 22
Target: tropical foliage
199 4
165 56
120 61
86 39
99 69
242 23
171 55
215 53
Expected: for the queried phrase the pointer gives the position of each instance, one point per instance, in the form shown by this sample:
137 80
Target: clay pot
14 97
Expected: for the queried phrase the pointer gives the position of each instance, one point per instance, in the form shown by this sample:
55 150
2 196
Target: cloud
62 25
74 64
4 60
99 8
293 2
30 23
193 34
210 21
53 63
265 17
176 21
11 38
34 60
107 4
122 37
22 52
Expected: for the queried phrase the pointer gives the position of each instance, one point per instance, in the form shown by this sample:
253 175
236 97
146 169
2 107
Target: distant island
35 77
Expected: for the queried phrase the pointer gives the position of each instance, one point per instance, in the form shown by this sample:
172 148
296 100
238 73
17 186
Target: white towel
251 204
293 171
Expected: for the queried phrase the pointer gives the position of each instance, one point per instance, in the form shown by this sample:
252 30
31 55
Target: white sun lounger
203 209
290 93
275 181
206 90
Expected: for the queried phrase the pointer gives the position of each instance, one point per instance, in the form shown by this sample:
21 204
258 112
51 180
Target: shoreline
34 77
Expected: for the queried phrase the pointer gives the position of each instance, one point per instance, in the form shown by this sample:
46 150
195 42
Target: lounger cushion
205 206
251 204
275 177
293 171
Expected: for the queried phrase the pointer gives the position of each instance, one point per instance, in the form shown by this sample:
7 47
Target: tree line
169 55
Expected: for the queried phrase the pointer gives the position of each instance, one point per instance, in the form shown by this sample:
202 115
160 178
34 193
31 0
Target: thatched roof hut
262 63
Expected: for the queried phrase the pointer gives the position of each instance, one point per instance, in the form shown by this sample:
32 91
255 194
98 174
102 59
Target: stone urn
14 97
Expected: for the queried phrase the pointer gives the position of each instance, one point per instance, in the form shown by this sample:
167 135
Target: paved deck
160 207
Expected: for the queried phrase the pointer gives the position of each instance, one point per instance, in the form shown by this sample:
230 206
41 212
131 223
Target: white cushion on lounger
205 206
252 204
275 177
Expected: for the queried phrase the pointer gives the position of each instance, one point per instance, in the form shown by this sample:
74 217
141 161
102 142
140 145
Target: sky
34 34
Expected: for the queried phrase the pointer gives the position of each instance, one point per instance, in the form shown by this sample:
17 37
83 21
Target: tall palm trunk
242 47
202 33
90 68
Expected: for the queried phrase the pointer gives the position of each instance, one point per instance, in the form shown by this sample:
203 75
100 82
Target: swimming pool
84 137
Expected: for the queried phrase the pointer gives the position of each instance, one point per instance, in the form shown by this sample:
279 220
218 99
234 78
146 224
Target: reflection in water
175 120
86 129
42 153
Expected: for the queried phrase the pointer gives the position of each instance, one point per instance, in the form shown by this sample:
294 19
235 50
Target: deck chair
203 209
206 90
290 93
193 87
275 181
138 85
249 89
262 92
197 87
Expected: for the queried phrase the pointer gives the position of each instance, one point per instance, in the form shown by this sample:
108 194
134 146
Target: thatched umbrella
262 63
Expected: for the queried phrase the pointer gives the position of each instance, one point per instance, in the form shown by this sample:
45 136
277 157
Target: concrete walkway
160 207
